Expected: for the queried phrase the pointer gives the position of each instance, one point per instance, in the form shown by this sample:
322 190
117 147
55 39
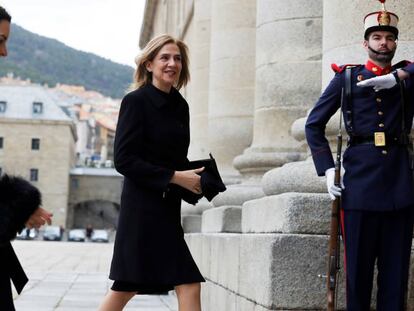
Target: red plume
382 1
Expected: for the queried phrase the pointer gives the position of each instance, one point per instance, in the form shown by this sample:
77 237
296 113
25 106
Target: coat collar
160 98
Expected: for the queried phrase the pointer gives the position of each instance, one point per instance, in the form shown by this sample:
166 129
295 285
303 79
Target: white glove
380 82
333 190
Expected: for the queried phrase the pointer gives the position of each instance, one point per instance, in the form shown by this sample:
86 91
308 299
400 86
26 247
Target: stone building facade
38 143
257 67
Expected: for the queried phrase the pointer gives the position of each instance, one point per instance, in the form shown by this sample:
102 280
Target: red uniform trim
341 68
377 70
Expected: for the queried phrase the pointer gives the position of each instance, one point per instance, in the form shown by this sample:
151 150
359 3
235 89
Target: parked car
27 234
77 235
100 236
52 233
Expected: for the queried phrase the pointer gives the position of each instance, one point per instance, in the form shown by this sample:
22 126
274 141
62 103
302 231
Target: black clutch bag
211 182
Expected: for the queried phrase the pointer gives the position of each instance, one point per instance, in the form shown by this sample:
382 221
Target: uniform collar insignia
377 70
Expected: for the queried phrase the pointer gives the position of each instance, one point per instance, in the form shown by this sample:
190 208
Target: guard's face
4 35
381 46
166 67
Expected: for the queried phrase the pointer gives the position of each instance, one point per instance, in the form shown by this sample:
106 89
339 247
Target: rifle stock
334 236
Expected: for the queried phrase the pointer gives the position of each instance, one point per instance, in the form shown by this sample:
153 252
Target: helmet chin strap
378 52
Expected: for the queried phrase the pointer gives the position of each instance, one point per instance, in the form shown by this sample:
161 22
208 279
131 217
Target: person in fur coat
19 207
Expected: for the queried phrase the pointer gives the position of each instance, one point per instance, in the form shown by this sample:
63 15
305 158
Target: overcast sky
108 28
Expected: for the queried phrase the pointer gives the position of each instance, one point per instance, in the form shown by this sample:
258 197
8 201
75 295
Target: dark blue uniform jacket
375 178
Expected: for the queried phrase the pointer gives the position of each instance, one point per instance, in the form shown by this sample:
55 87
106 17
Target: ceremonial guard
377 191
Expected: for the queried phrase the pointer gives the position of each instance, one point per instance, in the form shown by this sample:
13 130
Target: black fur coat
18 200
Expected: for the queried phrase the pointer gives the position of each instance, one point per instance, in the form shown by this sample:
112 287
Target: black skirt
148 258
120 286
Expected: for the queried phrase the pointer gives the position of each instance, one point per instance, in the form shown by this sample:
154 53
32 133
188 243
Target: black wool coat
151 142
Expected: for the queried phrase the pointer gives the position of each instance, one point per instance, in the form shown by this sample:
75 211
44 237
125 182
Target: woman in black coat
151 144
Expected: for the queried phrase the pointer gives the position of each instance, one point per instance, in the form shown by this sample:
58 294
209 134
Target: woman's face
166 67
4 35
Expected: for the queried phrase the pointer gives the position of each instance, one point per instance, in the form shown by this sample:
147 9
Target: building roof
91 171
106 121
20 98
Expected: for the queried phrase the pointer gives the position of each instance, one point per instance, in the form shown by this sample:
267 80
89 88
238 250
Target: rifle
335 230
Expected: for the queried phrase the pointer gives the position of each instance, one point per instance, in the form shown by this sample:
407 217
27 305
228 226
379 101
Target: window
35 143
37 107
75 183
1 142
34 174
3 105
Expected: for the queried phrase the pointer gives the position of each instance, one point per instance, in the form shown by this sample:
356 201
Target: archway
99 214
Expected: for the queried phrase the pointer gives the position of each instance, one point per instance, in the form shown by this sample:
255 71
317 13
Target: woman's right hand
189 180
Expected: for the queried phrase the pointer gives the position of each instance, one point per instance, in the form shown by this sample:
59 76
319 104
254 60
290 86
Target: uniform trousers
383 238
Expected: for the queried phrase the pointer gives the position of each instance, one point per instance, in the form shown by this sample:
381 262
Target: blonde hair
143 77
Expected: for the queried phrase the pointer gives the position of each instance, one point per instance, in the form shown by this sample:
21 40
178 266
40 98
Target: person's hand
380 82
386 81
189 180
39 218
334 191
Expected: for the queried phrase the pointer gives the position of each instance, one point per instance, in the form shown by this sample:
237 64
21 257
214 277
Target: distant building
37 142
95 117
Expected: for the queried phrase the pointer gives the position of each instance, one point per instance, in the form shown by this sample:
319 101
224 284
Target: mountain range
48 61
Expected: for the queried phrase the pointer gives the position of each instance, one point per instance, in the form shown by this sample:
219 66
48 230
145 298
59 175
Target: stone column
231 83
198 101
200 62
288 55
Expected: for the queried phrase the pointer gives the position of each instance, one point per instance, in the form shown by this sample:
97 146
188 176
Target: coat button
384 151
380 113
378 100
381 125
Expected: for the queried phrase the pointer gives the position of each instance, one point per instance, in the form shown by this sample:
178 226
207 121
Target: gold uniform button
381 125
380 113
384 151
379 100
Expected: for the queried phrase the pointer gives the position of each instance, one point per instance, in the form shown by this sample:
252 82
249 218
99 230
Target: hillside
49 61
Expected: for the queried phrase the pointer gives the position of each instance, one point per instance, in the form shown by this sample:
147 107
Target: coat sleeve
129 146
410 69
315 126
